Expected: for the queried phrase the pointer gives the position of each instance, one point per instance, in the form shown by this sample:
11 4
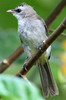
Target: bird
33 32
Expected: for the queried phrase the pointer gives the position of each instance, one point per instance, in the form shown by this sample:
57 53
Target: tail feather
48 83
44 80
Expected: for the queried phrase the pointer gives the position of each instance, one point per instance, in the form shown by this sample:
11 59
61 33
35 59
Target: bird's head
22 11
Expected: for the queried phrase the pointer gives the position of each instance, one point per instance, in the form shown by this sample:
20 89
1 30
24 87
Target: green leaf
13 88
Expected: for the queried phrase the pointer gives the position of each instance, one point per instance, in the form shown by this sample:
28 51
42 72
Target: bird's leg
24 65
40 48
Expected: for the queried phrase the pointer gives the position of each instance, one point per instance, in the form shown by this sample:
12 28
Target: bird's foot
24 66
40 48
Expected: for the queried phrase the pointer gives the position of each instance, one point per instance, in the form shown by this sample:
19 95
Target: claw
40 48
24 66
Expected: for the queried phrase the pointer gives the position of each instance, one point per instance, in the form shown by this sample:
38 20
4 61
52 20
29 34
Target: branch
55 12
9 60
51 30
44 46
63 34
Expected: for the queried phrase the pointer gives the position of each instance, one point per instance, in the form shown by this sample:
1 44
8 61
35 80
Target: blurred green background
9 41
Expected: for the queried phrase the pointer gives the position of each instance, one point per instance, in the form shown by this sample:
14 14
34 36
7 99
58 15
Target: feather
48 83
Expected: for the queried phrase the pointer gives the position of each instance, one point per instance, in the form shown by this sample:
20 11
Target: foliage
12 88
9 41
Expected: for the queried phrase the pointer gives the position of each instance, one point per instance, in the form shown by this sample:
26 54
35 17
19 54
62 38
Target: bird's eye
18 10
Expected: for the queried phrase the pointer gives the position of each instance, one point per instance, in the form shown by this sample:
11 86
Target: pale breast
32 33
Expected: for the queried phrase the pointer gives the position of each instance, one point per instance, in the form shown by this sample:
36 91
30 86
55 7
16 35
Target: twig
51 30
45 45
19 51
63 34
8 61
55 12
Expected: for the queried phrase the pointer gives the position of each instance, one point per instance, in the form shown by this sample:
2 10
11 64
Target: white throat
21 24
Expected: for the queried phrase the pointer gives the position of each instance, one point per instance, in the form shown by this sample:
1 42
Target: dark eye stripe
18 10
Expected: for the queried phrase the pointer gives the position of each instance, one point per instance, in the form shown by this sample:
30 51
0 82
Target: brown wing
43 24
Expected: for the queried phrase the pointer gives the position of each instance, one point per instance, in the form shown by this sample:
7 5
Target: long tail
48 83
